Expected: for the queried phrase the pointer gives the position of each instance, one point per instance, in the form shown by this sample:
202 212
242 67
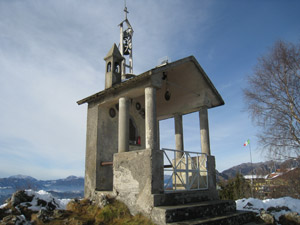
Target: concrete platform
195 210
232 218
213 212
184 197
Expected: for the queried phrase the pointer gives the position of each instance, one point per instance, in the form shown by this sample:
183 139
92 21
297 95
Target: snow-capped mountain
70 187
19 176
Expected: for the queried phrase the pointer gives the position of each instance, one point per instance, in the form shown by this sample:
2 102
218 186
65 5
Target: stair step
184 197
255 223
233 218
195 210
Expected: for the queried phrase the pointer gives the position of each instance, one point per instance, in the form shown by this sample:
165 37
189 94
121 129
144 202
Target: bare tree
273 100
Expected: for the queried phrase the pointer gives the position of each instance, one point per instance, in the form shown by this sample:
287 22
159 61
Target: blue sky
51 55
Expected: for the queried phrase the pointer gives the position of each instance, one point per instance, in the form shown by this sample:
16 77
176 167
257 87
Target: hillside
261 168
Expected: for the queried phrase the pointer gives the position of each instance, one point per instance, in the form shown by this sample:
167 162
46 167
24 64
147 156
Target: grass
85 213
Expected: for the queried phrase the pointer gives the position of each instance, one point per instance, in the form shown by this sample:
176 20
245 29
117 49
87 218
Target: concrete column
204 131
178 135
123 138
150 119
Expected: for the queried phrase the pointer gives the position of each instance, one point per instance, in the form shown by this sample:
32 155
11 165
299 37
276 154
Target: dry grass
85 213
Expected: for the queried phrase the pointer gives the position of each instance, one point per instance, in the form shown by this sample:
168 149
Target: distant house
283 182
257 182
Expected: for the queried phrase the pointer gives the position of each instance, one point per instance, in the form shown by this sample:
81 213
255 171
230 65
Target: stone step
255 223
184 197
232 218
177 213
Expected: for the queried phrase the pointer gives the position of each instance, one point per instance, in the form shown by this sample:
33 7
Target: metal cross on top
126 11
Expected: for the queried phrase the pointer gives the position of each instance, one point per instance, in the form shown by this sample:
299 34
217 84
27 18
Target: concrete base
138 182
137 176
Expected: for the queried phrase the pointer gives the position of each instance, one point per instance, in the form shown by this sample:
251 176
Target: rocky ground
37 208
283 211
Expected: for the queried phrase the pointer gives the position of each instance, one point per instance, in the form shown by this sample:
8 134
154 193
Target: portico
123 155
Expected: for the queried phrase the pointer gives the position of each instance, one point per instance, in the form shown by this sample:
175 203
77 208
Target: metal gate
188 172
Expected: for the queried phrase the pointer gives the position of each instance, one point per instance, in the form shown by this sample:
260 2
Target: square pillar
123 137
150 118
204 131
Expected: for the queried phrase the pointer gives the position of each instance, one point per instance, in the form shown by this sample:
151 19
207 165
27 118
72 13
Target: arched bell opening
117 68
108 67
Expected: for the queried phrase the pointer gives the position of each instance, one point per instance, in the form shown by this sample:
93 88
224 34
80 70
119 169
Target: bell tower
113 61
126 33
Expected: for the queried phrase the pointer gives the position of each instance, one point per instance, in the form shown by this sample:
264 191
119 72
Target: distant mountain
70 187
19 176
261 168
73 187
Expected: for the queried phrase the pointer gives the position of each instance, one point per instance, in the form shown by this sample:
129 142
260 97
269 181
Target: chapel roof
189 84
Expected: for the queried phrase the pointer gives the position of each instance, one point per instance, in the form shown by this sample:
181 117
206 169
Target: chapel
124 157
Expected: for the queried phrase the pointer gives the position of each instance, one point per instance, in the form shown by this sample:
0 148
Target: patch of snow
64 202
21 220
249 177
71 177
56 190
256 205
277 175
6 187
46 196
20 176
2 206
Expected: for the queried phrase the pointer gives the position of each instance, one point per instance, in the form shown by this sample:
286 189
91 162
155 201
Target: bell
167 95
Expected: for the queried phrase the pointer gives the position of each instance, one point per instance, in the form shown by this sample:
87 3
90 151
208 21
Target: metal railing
185 170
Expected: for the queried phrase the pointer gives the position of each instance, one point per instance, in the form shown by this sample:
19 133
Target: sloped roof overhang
189 77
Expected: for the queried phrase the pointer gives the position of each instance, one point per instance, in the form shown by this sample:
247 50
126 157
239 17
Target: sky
51 55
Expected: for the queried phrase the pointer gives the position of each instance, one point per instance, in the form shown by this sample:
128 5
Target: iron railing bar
183 170
181 160
174 150
187 171
168 157
175 170
198 166
180 180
